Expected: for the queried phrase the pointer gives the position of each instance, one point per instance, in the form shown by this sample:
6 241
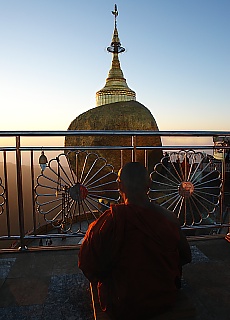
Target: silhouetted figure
134 252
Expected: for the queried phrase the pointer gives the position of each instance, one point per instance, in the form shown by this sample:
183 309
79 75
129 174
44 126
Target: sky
53 60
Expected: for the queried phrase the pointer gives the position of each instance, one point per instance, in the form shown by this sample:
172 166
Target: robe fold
132 254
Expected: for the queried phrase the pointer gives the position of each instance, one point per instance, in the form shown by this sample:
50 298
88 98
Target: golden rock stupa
117 109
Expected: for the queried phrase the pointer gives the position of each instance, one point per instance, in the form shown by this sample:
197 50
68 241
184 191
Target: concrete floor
43 285
49 285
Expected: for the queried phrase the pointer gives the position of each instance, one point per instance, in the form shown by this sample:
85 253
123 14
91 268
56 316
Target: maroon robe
132 254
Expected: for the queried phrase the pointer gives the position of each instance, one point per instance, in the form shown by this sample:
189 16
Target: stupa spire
116 88
115 46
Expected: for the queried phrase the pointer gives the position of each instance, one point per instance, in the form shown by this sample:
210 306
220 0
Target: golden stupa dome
124 115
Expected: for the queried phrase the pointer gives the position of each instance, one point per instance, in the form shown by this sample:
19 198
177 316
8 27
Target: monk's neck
142 201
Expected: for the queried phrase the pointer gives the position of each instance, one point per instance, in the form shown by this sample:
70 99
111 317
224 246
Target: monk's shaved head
134 177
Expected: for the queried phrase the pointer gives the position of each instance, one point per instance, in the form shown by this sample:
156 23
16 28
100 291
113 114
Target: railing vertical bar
6 192
32 190
146 159
122 158
134 151
20 194
222 187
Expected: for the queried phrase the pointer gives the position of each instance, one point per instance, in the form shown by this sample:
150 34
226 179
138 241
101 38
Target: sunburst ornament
187 183
75 187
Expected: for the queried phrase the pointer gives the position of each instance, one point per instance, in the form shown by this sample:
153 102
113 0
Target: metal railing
21 222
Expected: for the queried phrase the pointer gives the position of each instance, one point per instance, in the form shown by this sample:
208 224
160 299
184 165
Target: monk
134 252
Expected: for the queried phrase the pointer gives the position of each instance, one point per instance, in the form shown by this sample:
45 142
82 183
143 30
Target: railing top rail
114 132
119 147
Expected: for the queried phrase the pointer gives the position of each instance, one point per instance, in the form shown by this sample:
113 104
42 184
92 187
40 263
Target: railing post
223 168
20 194
6 192
32 189
122 158
134 151
146 159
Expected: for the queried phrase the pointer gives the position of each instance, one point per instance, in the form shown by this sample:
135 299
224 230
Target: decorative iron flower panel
187 183
2 196
74 187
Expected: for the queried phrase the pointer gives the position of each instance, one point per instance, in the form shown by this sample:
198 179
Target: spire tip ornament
115 13
115 46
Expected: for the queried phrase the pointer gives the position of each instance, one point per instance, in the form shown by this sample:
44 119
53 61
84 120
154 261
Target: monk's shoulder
118 209
100 222
169 215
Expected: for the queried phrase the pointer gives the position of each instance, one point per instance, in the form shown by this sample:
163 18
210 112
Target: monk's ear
121 186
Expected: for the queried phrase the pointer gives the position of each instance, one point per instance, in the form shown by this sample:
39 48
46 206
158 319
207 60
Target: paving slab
43 285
